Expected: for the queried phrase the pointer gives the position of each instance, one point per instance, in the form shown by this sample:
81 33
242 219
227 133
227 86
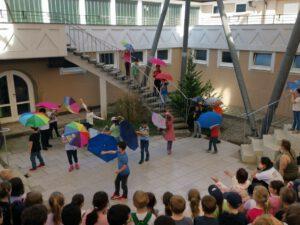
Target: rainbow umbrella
157 61
76 134
48 105
33 119
71 105
164 76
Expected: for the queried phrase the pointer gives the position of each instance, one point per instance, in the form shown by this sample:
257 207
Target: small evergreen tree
191 86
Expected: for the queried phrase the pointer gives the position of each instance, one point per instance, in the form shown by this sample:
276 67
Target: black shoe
141 162
45 149
49 146
208 150
147 159
200 136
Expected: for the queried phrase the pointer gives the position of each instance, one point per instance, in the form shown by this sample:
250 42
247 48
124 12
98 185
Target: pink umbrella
164 76
48 105
157 61
71 105
158 120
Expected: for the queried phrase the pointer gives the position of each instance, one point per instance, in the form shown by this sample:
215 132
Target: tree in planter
191 86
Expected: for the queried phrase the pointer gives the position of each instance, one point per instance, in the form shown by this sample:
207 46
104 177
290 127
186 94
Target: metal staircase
81 51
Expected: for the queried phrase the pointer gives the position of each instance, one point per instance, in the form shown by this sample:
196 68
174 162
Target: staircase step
92 60
270 141
115 72
247 154
287 127
179 120
100 64
154 104
85 56
182 133
77 53
108 68
147 94
180 126
152 99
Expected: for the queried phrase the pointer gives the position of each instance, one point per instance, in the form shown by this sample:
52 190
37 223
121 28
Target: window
215 9
240 8
151 13
164 54
296 64
261 60
107 58
126 12
173 15
24 11
225 59
66 11
138 55
97 12
194 16
201 56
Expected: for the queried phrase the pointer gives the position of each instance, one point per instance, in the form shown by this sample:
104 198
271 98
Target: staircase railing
260 113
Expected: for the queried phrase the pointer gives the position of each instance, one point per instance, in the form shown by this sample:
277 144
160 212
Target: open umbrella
158 120
33 119
210 119
103 142
79 136
164 76
71 105
127 133
48 105
157 61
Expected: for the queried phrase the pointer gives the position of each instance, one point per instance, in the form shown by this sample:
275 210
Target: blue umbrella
127 133
129 47
103 142
291 85
210 119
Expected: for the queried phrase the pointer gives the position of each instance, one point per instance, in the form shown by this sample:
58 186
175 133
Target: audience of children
272 207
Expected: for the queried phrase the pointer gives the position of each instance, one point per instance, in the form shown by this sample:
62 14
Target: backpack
136 221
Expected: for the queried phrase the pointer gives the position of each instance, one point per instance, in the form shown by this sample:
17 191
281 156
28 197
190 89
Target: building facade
35 33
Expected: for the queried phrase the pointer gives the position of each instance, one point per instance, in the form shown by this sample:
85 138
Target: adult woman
296 110
157 82
286 162
169 133
266 172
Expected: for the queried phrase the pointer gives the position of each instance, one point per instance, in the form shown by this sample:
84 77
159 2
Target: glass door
16 96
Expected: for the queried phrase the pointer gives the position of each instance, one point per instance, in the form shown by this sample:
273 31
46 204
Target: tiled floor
189 167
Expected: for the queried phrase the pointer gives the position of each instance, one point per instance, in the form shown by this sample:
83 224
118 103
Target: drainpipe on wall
156 39
282 76
185 37
237 68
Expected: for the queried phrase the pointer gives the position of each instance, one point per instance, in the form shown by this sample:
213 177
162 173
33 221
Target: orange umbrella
164 76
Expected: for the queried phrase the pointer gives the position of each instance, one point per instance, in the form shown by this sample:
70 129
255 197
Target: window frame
198 61
114 57
169 60
144 62
295 69
213 10
240 4
225 64
252 66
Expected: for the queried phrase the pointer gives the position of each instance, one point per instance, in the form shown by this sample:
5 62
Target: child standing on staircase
135 72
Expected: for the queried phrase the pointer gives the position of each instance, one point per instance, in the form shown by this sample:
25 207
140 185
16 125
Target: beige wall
49 85
259 83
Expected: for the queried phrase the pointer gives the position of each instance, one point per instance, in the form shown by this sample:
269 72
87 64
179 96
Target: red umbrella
48 105
164 76
157 61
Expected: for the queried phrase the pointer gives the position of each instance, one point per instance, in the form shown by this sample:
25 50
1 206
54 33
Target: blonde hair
261 196
140 199
266 219
194 199
56 202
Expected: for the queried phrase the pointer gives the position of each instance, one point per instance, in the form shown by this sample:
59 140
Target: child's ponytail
56 202
194 199
92 217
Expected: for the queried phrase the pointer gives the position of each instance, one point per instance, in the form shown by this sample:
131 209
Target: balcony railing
61 18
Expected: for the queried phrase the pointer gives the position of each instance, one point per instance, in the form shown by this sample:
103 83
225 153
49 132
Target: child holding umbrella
157 82
169 135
